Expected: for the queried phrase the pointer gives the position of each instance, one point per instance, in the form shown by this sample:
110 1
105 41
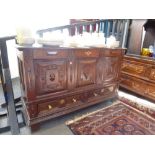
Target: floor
57 126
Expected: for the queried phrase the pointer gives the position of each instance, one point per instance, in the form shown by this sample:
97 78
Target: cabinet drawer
100 93
49 54
87 53
139 86
59 105
134 68
112 53
134 84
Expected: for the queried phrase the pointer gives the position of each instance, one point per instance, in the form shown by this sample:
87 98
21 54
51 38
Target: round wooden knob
62 101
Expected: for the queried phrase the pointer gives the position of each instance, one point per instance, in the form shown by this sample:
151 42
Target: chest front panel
51 76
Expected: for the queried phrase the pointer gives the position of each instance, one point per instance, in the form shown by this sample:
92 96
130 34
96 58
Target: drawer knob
62 101
95 94
50 107
74 100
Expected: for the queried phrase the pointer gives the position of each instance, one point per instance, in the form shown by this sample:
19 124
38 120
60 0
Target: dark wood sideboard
57 81
138 75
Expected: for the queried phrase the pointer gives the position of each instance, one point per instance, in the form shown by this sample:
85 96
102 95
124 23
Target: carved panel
86 72
50 76
152 74
110 68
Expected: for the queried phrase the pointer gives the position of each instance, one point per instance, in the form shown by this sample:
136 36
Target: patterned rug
121 118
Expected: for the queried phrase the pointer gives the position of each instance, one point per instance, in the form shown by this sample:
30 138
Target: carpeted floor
123 117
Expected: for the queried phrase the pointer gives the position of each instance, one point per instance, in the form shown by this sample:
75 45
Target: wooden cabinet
57 81
138 75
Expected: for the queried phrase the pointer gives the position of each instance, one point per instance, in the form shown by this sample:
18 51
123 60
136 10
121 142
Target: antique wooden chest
57 81
138 75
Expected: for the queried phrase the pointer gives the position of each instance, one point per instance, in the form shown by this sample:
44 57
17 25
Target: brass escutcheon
95 94
50 107
88 53
102 90
74 100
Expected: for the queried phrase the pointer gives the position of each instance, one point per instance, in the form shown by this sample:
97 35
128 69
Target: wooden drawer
112 53
49 54
102 92
139 86
87 53
131 67
59 105
133 84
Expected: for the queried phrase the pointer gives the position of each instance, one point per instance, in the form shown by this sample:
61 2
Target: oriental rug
121 118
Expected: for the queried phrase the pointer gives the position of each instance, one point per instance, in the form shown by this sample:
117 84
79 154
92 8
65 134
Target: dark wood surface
138 75
57 81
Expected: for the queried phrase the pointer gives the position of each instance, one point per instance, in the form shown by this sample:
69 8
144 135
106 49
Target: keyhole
52 77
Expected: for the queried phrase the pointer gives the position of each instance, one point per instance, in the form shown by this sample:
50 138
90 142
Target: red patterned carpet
121 118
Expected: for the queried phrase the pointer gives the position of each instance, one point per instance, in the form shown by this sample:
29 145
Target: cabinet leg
35 127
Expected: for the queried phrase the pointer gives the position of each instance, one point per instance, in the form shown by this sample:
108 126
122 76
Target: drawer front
49 107
139 86
111 53
59 105
134 68
87 54
49 54
133 84
101 93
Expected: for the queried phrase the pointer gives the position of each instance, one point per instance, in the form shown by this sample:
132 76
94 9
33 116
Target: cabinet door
51 76
86 72
108 69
